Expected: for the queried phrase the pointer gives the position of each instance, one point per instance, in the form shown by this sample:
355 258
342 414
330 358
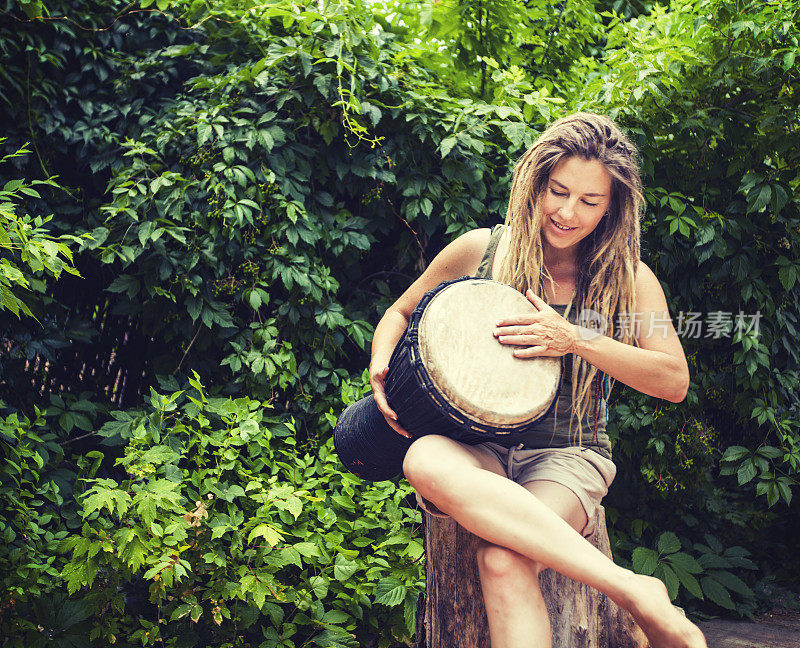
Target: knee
501 563
425 464
423 459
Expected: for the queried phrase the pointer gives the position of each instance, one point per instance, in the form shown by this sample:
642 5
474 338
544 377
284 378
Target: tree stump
452 614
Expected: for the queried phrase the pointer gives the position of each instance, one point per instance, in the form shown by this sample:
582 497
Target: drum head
475 373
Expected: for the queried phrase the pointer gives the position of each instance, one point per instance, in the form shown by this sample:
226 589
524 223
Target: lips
561 228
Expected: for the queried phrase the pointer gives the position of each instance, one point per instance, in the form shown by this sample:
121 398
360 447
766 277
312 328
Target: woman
571 244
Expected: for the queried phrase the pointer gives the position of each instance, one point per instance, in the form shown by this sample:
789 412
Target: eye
557 193
591 204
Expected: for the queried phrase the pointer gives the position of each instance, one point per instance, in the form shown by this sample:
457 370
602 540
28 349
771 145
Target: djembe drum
449 375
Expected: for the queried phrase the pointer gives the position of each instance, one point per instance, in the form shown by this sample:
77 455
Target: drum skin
448 375
479 377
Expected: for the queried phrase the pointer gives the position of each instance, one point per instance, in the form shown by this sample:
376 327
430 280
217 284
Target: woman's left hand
543 333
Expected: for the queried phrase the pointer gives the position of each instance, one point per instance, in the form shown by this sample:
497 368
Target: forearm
387 333
655 373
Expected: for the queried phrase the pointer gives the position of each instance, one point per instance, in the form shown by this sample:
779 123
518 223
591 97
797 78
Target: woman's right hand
376 379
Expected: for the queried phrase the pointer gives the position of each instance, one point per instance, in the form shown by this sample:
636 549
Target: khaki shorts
584 471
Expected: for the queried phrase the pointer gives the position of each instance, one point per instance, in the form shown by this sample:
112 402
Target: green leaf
307 549
717 593
668 543
446 146
106 498
788 276
670 579
334 637
125 283
409 615
181 611
747 471
343 568
260 591
319 585
785 492
644 561
689 582
770 452
390 591
270 534
337 617
763 197
684 561
204 133
735 453
732 582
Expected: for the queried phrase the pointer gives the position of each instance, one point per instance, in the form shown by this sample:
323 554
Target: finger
536 300
383 404
513 330
518 320
388 412
535 351
519 340
398 428
379 394
391 418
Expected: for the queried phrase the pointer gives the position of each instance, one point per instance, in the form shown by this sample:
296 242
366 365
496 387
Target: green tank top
553 430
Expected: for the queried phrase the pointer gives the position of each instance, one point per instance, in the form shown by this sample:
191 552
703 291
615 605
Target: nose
567 210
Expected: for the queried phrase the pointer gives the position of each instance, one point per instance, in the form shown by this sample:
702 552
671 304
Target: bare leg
510 581
515 608
506 514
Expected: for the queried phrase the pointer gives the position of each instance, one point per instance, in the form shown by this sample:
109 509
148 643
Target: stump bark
452 614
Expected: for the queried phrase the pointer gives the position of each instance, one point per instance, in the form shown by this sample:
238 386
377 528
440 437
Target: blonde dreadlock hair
607 258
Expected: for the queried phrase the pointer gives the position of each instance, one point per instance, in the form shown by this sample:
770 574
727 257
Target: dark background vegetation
245 187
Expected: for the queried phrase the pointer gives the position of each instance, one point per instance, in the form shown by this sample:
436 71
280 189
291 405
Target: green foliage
240 533
257 184
34 488
467 42
57 622
713 565
30 252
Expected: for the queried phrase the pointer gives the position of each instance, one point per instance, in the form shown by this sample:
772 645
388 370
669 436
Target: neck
560 261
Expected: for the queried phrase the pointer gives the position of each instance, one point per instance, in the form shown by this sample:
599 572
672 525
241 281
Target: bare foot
663 623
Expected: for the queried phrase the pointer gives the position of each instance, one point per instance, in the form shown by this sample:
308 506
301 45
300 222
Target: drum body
367 444
449 375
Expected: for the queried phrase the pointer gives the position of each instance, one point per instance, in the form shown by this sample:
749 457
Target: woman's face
577 194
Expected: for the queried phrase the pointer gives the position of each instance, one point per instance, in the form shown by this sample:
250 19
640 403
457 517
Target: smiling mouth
563 228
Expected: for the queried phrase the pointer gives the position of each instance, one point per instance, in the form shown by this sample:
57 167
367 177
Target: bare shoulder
649 293
463 255
473 241
459 258
644 275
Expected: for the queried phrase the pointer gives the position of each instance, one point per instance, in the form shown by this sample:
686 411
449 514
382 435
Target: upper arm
655 331
459 258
